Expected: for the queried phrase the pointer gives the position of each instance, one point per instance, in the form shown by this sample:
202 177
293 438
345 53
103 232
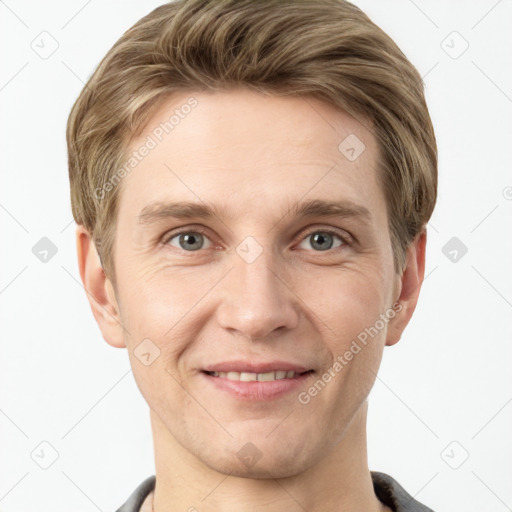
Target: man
252 183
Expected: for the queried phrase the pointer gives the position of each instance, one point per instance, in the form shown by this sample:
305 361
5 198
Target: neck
339 482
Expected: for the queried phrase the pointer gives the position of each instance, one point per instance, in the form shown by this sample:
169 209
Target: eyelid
344 236
169 235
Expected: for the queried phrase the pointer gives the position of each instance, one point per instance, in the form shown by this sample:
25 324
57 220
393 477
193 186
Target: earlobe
410 286
99 289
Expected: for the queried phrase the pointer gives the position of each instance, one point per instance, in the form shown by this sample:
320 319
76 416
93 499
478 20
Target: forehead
245 150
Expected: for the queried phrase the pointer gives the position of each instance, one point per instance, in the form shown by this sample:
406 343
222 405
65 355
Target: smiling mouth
258 377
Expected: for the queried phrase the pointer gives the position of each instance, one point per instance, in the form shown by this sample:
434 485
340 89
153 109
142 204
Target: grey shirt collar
387 490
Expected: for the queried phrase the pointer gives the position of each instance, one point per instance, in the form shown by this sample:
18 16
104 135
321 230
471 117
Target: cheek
161 314
165 304
349 313
347 300
149 294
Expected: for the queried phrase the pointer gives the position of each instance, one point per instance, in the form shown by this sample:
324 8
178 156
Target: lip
255 367
257 390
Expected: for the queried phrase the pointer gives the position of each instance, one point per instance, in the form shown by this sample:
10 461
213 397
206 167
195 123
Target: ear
409 285
99 289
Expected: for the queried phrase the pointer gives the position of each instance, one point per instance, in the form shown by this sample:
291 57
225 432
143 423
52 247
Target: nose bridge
258 278
255 301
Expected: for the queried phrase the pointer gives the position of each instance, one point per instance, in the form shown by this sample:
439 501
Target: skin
255 156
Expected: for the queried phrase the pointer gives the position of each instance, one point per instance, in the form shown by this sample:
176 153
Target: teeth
267 376
251 377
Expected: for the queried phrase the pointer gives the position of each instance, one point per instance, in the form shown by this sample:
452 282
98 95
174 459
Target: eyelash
345 238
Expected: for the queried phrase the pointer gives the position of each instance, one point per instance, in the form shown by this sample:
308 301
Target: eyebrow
314 208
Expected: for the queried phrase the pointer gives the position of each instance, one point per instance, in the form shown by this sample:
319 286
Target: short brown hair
327 49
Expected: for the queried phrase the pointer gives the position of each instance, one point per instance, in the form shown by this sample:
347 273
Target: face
248 242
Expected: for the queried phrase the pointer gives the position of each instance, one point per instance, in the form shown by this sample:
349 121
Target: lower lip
256 390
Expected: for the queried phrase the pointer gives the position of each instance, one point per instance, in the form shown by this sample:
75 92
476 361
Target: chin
262 470
262 459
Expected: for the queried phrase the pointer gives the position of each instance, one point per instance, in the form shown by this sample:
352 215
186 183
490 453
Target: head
252 182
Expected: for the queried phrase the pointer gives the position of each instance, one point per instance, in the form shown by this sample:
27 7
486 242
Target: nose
257 299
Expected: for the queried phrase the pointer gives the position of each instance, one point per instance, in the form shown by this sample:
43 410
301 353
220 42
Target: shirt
387 490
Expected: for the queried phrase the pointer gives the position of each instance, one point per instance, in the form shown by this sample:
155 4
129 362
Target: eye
189 241
323 240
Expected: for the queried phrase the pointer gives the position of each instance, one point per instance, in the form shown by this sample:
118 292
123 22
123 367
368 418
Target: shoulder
138 496
387 489
392 494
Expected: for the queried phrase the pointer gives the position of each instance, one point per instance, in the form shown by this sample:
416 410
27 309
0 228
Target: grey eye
322 240
191 241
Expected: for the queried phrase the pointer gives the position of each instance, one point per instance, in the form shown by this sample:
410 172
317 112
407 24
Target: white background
444 391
